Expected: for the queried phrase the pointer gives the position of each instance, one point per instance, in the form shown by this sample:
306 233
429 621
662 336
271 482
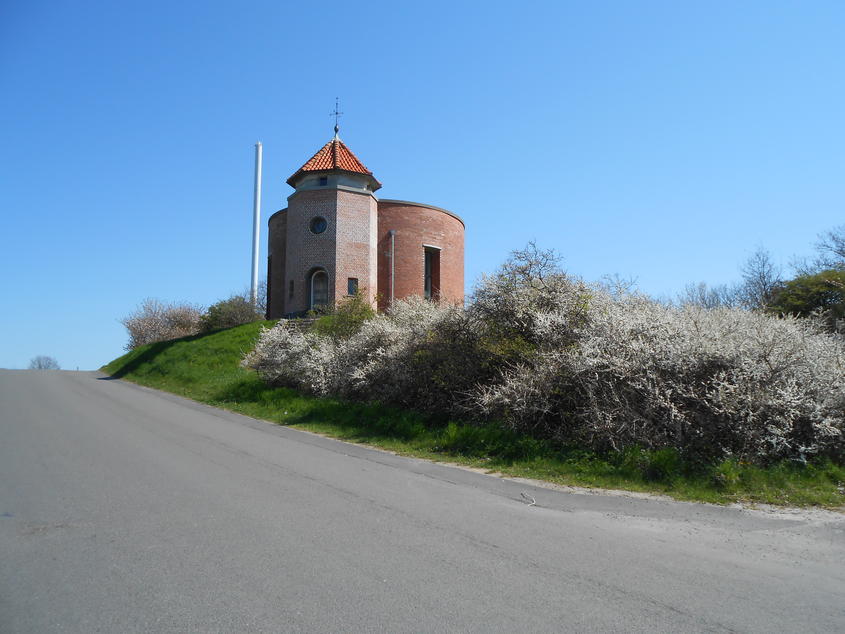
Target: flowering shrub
549 355
383 360
711 383
154 321
286 356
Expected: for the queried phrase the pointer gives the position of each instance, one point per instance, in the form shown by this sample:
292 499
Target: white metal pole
256 219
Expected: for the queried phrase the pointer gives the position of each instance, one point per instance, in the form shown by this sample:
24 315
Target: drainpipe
392 233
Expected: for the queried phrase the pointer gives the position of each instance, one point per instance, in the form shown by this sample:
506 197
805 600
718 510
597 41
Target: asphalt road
123 509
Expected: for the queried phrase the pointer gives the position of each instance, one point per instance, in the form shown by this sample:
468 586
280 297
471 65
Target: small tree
822 293
830 254
261 297
531 279
43 362
761 278
227 313
831 249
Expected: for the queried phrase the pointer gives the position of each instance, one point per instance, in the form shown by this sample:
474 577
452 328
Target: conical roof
334 155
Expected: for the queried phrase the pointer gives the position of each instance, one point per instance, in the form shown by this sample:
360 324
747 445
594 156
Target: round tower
421 252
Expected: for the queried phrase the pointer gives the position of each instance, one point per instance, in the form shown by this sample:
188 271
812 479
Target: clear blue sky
657 140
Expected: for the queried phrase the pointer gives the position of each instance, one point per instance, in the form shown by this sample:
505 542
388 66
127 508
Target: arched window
319 289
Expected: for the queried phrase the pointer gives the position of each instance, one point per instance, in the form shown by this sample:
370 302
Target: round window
318 224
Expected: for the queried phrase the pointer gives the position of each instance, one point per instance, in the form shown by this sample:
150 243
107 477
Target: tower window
352 286
290 290
431 274
324 180
319 289
318 224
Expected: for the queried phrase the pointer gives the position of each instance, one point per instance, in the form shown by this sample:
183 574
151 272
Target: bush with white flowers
550 355
155 320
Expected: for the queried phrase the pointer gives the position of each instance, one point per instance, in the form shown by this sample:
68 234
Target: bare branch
43 362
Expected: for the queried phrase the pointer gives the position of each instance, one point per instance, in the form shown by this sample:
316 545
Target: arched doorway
319 286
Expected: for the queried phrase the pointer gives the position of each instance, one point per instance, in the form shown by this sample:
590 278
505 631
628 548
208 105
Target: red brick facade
419 228
335 224
277 284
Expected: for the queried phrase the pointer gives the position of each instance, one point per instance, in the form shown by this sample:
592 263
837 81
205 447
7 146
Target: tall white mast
256 219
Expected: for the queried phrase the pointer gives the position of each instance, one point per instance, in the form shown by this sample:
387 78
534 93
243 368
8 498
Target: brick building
336 238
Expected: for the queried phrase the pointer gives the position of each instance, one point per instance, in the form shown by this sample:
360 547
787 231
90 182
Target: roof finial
336 114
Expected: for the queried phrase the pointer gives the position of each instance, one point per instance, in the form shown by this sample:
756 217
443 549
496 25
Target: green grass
206 368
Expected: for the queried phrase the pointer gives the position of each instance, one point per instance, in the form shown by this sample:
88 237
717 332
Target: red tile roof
334 155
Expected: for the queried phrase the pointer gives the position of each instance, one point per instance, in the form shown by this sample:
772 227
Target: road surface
123 509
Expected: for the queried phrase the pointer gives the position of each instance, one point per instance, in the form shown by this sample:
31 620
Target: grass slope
206 368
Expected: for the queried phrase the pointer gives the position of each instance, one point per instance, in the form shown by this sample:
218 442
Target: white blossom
553 356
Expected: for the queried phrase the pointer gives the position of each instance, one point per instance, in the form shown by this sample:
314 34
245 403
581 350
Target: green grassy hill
206 368
202 367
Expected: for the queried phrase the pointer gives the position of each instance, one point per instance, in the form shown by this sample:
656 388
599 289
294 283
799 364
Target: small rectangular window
352 286
290 290
324 180
427 275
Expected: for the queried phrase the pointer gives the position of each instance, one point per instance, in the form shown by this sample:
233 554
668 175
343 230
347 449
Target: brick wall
276 279
346 249
307 251
417 225
357 222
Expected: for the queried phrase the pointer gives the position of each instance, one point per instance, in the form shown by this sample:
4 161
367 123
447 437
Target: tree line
816 288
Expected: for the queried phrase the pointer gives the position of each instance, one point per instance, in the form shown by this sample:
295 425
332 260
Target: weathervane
336 114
